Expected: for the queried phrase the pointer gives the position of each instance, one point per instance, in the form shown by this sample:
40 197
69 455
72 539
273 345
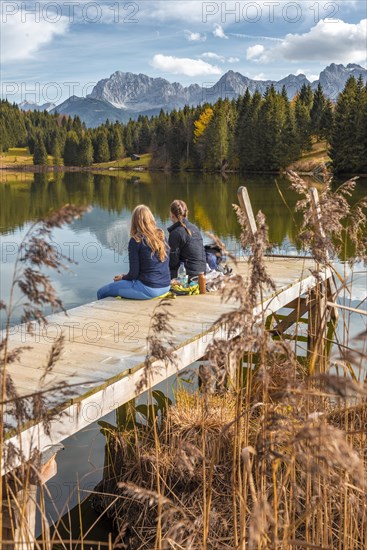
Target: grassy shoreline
20 160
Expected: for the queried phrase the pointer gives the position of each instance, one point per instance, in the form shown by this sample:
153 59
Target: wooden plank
347 308
315 201
332 295
317 327
245 204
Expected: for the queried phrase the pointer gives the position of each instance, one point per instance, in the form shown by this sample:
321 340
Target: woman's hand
118 278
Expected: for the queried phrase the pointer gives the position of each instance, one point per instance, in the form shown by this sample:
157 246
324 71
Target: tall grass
270 454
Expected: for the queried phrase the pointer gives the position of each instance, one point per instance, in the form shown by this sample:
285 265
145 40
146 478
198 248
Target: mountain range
32 106
127 95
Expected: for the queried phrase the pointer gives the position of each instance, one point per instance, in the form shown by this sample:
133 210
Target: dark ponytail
180 211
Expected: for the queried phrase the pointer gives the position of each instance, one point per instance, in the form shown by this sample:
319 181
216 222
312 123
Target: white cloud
259 76
183 65
255 53
336 41
212 55
195 36
21 39
219 32
220 58
254 37
332 41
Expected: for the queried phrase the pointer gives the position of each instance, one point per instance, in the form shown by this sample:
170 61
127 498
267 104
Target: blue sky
50 50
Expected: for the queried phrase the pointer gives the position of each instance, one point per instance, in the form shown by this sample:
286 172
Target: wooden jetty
106 345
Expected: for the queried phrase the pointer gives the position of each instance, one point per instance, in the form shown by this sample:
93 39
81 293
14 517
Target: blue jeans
133 290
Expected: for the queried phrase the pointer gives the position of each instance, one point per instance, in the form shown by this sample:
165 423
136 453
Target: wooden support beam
8 525
245 204
232 370
291 319
330 285
331 296
315 202
25 532
317 327
19 518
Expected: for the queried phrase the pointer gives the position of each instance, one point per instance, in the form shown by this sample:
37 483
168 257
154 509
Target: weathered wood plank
245 204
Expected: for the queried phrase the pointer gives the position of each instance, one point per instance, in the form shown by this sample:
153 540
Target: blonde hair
143 226
180 211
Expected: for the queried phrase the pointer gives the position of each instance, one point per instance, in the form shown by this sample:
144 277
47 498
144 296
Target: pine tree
303 125
115 143
85 151
160 138
271 119
128 138
306 96
175 146
77 125
4 137
327 121
215 138
241 136
69 124
188 136
12 125
359 128
144 135
347 141
253 153
40 153
56 151
71 149
363 137
289 149
101 148
316 113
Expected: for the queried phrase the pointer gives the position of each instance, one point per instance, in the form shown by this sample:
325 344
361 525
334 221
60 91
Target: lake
98 245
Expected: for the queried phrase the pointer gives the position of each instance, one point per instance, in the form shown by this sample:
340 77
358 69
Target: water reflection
209 198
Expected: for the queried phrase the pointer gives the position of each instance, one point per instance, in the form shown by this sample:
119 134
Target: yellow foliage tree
202 123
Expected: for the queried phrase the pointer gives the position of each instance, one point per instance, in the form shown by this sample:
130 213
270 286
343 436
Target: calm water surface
98 243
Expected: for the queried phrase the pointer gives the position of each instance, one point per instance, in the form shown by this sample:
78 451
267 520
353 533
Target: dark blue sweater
146 266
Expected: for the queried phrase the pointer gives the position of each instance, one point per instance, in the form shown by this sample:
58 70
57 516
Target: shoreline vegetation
307 165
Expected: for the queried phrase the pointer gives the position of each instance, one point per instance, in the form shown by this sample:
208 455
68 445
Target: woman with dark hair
149 275
185 241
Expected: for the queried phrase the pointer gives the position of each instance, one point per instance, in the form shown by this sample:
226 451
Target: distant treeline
252 133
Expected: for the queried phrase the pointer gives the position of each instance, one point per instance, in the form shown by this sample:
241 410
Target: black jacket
186 248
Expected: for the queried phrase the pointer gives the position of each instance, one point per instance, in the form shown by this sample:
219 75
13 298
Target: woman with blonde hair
149 274
185 241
